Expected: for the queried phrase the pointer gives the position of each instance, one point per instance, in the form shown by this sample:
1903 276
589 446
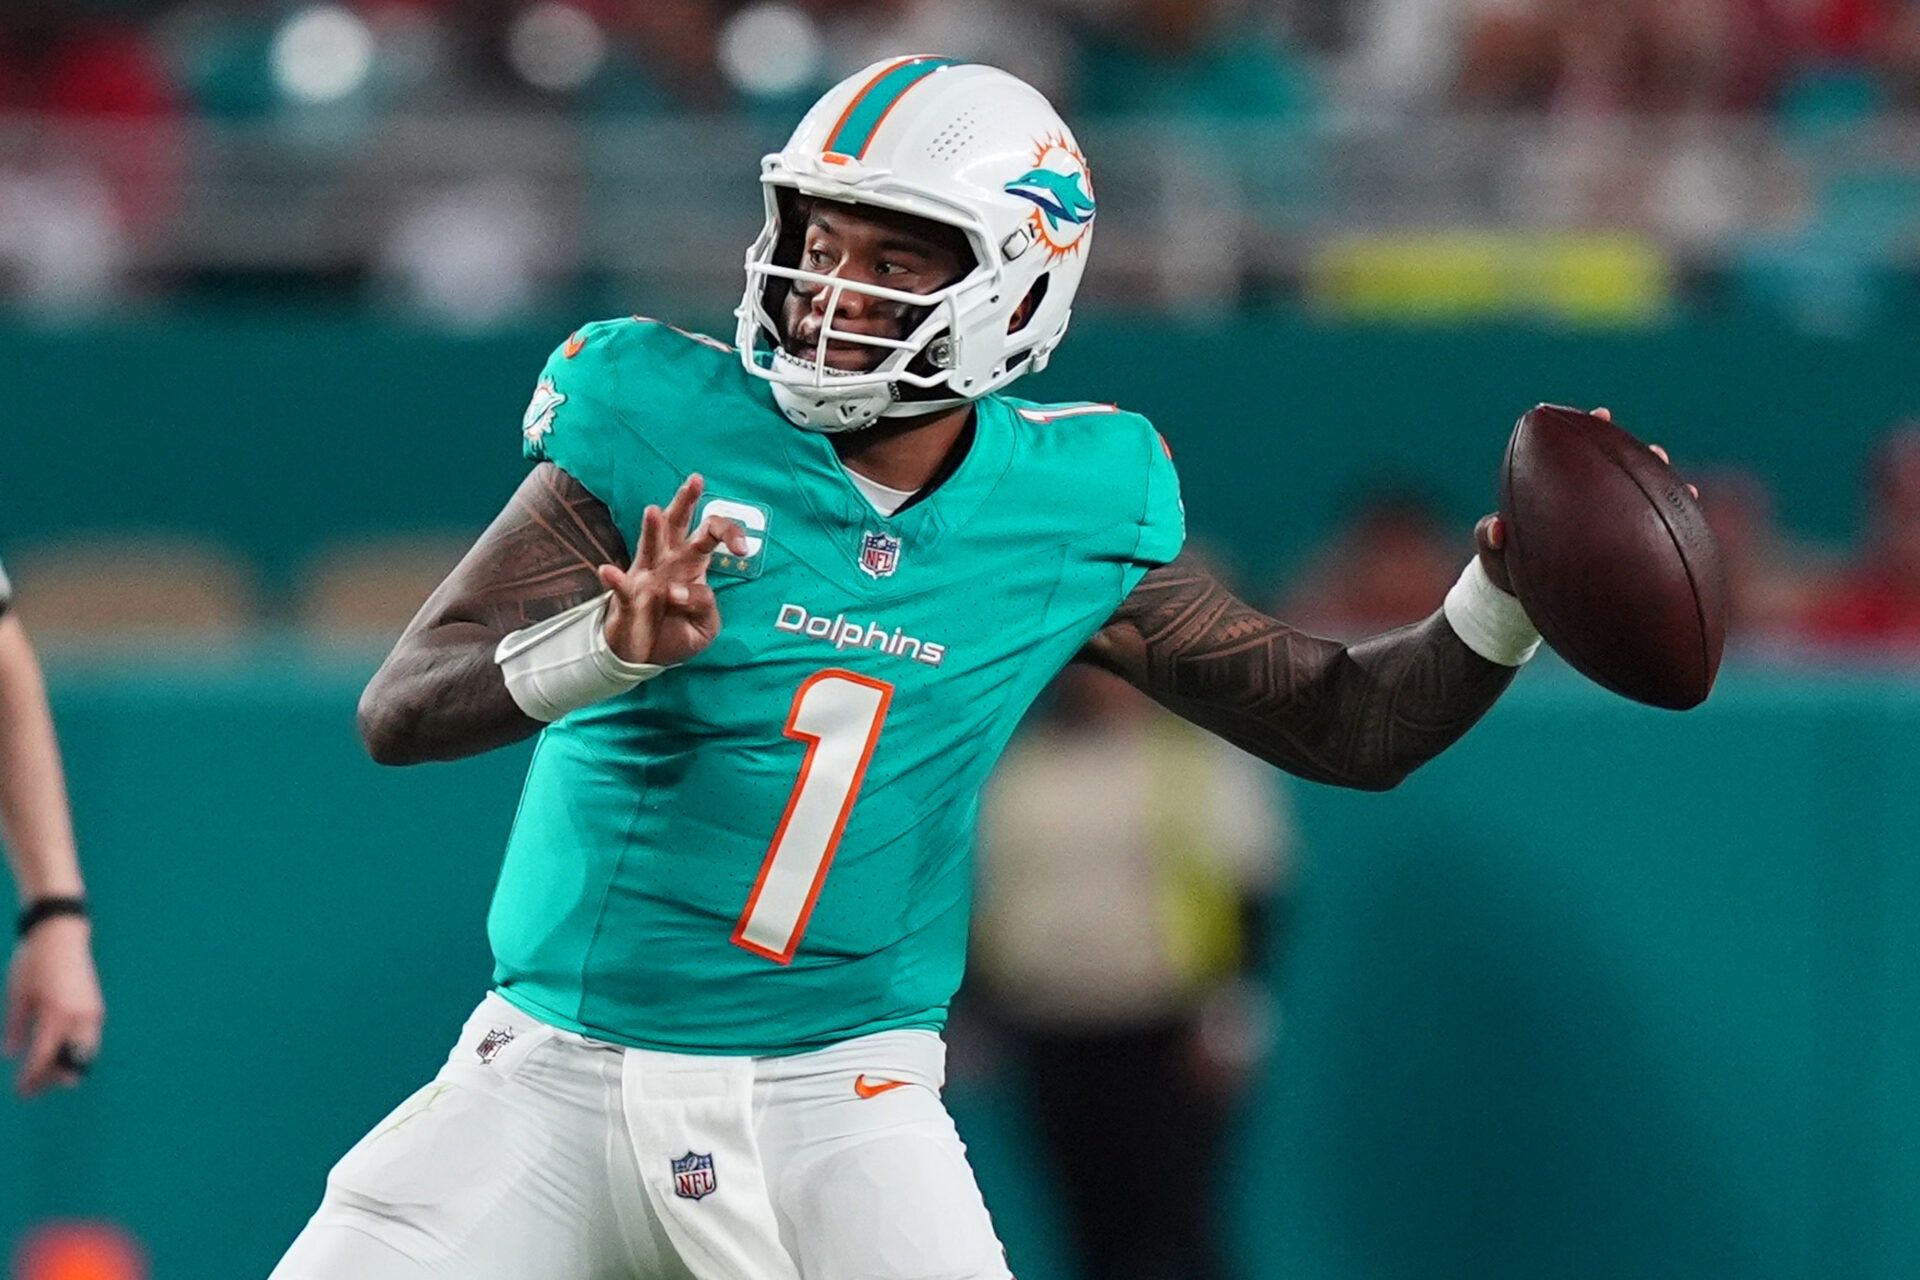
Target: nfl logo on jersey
879 554
693 1176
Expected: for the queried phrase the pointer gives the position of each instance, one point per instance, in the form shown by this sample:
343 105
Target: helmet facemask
918 372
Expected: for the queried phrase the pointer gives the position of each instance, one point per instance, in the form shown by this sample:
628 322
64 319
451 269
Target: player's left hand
663 611
53 1001
1490 534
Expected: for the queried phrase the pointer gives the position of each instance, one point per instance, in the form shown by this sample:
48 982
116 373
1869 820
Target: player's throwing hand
1490 535
662 609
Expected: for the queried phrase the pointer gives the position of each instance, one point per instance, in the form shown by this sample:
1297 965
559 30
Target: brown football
1612 558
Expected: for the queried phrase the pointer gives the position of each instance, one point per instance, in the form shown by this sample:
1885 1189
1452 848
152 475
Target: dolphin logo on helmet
955 143
1058 195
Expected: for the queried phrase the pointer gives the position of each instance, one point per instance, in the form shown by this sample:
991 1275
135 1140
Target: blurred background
1605 992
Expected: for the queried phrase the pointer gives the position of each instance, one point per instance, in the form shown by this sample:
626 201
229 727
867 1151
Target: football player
734 903
53 1007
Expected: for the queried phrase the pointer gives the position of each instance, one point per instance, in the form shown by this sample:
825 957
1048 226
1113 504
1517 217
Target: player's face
867 246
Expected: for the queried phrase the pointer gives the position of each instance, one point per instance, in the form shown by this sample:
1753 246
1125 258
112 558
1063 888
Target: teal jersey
769 848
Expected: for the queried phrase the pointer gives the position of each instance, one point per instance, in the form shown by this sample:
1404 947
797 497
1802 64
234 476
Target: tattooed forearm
537 558
439 695
1364 714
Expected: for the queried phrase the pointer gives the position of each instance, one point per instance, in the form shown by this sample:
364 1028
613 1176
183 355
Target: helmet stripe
854 131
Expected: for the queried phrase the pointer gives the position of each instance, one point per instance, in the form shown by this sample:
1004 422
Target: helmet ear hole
1029 305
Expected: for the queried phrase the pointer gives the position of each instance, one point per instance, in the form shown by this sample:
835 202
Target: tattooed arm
1364 714
439 696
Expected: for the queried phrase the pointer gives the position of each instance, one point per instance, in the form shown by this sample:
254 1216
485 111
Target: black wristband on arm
47 909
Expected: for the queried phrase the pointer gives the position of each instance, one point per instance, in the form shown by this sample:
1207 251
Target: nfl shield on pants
540 1152
693 1176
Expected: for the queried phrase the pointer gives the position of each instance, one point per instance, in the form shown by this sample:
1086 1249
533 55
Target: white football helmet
961 144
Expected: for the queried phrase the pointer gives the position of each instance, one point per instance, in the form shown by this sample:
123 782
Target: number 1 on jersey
838 715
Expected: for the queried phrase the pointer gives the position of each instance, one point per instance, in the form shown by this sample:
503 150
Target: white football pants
538 1154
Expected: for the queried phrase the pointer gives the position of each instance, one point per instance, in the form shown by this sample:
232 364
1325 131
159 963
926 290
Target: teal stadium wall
1605 992
275 432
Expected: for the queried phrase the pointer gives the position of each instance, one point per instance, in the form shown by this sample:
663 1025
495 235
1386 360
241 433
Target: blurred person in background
1383 570
1770 576
1028 39
1189 73
1846 198
1405 55
1608 58
53 1007
99 169
674 46
1874 607
480 250
1836 34
1638 93
1128 866
1178 59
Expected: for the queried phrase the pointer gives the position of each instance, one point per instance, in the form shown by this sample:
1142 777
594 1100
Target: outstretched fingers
654 539
679 514
649 549
667 548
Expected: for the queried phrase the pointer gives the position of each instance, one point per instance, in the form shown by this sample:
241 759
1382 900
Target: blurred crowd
1599 57
1788 600
90 207
227 59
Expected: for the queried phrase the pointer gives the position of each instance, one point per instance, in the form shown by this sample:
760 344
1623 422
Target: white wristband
563 663
1490 621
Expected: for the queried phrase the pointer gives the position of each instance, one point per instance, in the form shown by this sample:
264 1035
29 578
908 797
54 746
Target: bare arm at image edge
52 994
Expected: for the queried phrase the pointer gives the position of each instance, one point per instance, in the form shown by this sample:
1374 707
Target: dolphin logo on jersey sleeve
538 420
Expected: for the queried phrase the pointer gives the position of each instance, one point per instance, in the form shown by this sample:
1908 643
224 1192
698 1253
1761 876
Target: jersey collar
923 525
